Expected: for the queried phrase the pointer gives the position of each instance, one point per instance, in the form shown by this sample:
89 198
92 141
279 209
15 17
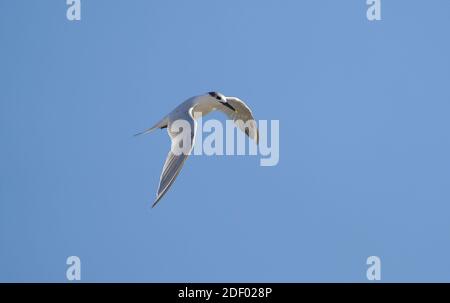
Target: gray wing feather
243 117
173 164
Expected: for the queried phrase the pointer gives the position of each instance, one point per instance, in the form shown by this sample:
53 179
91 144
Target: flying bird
233 107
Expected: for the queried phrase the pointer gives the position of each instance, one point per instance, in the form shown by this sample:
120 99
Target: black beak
229 106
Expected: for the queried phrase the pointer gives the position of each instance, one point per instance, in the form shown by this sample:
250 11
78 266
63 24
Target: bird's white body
198 104
190 110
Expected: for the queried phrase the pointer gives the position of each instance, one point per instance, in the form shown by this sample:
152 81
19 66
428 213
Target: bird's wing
243 117
175 159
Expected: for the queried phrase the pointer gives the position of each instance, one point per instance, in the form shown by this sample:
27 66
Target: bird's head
218 97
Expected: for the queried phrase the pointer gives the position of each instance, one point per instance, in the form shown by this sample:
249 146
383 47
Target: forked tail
161 124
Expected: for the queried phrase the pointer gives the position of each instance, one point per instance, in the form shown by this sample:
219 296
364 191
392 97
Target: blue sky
364 141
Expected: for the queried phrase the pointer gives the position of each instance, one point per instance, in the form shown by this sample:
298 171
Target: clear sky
364 141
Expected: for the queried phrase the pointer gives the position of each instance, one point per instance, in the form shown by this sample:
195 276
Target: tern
189 111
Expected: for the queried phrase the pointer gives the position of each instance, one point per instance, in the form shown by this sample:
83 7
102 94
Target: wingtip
156 201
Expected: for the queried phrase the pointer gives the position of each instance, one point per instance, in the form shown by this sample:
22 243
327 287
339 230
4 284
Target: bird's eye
218 98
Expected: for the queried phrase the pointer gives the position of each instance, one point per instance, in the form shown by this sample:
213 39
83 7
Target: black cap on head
218 96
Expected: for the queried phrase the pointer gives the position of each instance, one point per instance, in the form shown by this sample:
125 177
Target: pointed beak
229 106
